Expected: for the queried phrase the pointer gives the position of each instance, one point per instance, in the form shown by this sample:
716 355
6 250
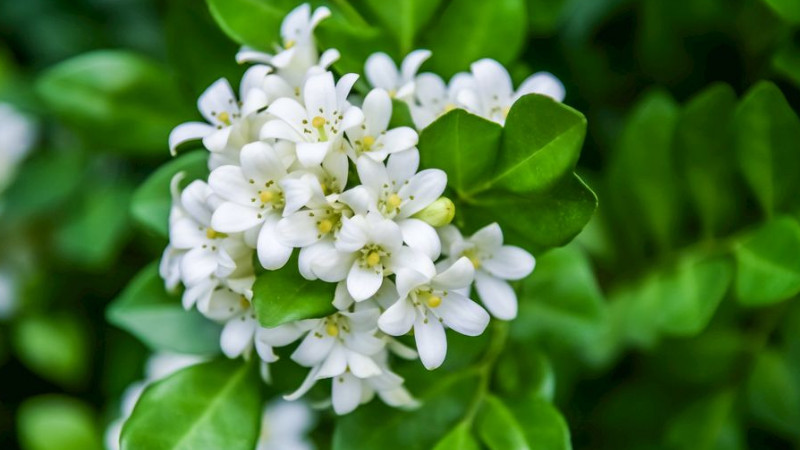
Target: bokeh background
726 379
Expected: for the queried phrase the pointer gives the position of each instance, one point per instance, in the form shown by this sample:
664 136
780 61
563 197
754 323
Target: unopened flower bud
438 213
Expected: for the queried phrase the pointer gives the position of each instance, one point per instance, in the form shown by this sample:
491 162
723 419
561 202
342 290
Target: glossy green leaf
522 370
118 100
704 148
57 422
211 405
465 31
768 269
54 346
459 438
356 38
498 428
98 227
767 135
376 425
788 10
60 172
282 296
541 423
787 63
707 424
147 311
255 23
773 393
535 221
464 145
404 18
541 144
152 200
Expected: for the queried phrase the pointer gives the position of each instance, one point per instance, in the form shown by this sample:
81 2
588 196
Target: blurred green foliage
671 321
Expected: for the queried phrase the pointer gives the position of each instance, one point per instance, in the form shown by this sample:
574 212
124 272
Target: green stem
485 367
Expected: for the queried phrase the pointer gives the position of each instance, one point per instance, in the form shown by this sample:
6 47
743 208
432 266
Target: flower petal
421 236
186 132
308 383
298 230
311 154
346 394
234 218
509 263
335 364
363 282
197 265
409 279
398 319
377 108
312 350
237 336
463 315
542 83
381 71
497 295
362 366
457 276
272 253
431 341
261 162
422 189
230 183
488 238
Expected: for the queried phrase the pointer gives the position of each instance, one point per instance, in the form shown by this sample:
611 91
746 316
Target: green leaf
767 133
707 424
401 115
768 267
147 311
788 10
55 422
541 144
97 228
534 221
404 18
255 23
117 100
773 393
376 425
704 148
459 438
543 426
61 173
466 31
282 296
210 405
644 193
463 145
521 369
544 15
786 62
498 428
54 346
152 201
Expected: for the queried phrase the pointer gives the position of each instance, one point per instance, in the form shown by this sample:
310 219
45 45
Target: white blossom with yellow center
373 138
382 73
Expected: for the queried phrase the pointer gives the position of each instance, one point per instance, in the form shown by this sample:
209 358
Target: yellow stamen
332 329
433 301
266 196
244 302
392 93
475 261
289 44
394 201
368 142
211 233
505 111
373 258
318 122
224 118
325 226
449 107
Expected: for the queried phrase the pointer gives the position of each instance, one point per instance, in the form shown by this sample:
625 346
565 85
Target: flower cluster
298 164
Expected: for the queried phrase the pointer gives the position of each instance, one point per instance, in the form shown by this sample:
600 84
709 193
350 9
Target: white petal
331 265
425 187
230 183
198 293
328 57
408 280
319 93
449 236
372 174
265 351
403 165
341 298
335 364
194 200
309 255
409 258
398 139
234 218
458 276
493 79
412 63
359 199
497 295
198 264
298 230
344 86
352 117
185 234
311 154
377 108
353 235
509 262
381 71
218 139
346 394
189 131
398 397
272 253
278 129
462 314
398 319
297 192
362 366
542 83
312 350
431 341
216 99
363 282
237 336
279 336
421 236
488 238
430 90
261 162
290 111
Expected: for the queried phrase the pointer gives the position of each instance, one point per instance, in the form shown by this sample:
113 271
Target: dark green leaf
535 221
59 172
57 422
210 405
255 23
54 346
768 267
773 393
466 31
498 428
282 296
542 425
541 144
544 15
152 200
788 10
787 63
707 424
523 370
767 135
147 311
463 145
117 100
459 438
404 18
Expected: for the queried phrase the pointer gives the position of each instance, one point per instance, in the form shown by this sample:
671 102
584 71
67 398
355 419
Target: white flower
17 136
285 425
238 333
367 249
429 301
341 346
432 97
203 251
494 264
317 125
372 137
221 109
298 50
388 385
494 93
254 201
381 72
398 191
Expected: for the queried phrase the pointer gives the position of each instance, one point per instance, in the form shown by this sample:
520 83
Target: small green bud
438 213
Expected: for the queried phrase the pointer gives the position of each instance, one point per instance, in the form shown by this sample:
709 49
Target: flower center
367 142
289 44
393 202
214 234
325 226
332 329
433 301
266 196
373 258
473 258
318 122
244 302
224 117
